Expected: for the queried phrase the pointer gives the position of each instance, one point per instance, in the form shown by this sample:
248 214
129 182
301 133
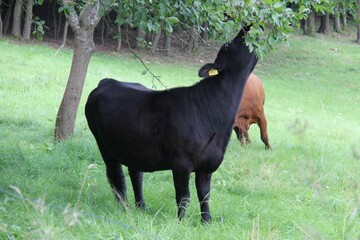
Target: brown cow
251 110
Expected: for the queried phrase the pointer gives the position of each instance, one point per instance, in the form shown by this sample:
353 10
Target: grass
307 187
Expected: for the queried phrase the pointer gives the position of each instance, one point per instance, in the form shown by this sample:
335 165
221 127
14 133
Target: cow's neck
219 97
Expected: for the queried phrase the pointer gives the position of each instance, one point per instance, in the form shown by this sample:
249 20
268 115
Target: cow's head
232 57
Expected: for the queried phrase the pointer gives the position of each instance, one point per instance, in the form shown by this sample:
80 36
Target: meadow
307 187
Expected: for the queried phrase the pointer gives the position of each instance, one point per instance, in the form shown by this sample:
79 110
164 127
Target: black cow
182 129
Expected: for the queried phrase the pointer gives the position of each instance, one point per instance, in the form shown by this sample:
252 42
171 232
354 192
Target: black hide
182 129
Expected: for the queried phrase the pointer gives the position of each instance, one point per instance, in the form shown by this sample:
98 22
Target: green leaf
278 5
149 26
172 20
144 72
168 28
120 21
66 11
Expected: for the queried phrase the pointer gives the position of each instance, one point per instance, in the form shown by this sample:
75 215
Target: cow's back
253 98
121 117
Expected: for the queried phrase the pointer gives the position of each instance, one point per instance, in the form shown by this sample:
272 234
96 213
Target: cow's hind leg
117 182
202 181
181 182
263 131
115 176
137 180
244 128
239 134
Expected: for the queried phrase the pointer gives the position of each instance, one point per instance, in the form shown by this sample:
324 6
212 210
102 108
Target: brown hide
251 110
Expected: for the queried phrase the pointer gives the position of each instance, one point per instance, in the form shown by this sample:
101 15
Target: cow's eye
226 46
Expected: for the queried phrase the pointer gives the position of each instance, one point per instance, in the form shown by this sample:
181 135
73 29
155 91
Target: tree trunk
83 26
16 28
66 27
1 26
324 26
65 121
102 33
155 43
344 19
1 23
193 43
167 44
59 25
54 10
118 48
204 33
8 17
140 38
310 24
304 26
28 20
337 23
358 27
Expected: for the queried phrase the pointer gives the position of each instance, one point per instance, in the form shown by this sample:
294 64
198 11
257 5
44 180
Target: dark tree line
26 19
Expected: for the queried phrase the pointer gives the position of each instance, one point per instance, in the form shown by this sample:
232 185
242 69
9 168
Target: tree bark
205 33
1 26
59 25
83 26
324 26
337 23
54 11
8 17
140 38
193 43
1 23
304 26
102 31
66 27
65 121
118 48
155 43
358 27
28 20
344 19
16 28
167 44
310 24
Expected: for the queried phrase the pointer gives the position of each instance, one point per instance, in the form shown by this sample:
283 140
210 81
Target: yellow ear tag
213 72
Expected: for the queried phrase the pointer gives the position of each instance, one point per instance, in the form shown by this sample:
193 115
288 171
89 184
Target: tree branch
72 18
89 15
148 70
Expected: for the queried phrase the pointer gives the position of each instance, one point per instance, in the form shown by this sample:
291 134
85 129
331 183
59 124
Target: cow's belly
146 157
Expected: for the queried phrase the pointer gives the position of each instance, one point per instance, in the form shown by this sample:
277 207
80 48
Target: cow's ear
208 70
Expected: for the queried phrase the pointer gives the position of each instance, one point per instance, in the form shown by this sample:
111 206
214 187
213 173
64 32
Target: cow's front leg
181 182
136 181
202 181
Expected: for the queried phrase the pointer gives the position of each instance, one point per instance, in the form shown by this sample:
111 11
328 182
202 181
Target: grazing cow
183 129
251 110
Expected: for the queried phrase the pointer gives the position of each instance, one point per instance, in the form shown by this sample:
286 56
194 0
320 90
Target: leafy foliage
272 20
39 28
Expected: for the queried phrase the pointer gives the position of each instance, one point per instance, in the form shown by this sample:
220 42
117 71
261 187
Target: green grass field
307 187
